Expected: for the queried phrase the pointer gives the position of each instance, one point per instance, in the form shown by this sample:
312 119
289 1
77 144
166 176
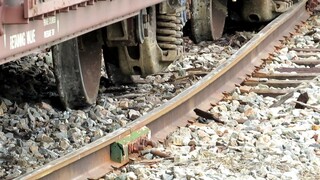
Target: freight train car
133 36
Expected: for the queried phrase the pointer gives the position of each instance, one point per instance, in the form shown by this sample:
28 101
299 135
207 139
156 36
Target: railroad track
94 160
281 81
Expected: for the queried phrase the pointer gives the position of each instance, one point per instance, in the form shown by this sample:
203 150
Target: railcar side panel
46 29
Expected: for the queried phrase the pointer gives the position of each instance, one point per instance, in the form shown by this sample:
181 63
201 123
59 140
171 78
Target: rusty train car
133 36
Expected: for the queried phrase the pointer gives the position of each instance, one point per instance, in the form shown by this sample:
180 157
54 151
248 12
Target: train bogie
147 43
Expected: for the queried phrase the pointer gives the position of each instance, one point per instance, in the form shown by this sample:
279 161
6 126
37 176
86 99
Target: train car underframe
68 27
134 39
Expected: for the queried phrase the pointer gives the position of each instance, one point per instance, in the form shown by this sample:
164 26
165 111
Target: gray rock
64 144
44 138
133 114
75 135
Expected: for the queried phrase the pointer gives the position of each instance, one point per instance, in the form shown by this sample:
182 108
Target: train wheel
77 65
207 19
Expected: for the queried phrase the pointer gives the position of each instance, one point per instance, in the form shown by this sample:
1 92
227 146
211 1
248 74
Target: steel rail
93 160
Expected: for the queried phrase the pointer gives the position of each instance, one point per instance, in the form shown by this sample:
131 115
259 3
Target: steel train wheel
207 19
77 65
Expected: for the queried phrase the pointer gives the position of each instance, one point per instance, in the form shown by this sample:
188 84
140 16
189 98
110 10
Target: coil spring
170 30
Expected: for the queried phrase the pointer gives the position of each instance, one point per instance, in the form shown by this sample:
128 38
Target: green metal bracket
120 149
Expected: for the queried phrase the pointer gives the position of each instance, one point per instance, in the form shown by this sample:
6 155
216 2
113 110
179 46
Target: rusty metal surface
209 89
21 39
94 160
312 5
34 8
1 14
13 15
299 70
218 14
223 79
77 64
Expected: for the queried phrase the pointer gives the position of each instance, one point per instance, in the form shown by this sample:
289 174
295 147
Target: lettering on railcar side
22 39
5 40
58 25
48 33
31 36
49 20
